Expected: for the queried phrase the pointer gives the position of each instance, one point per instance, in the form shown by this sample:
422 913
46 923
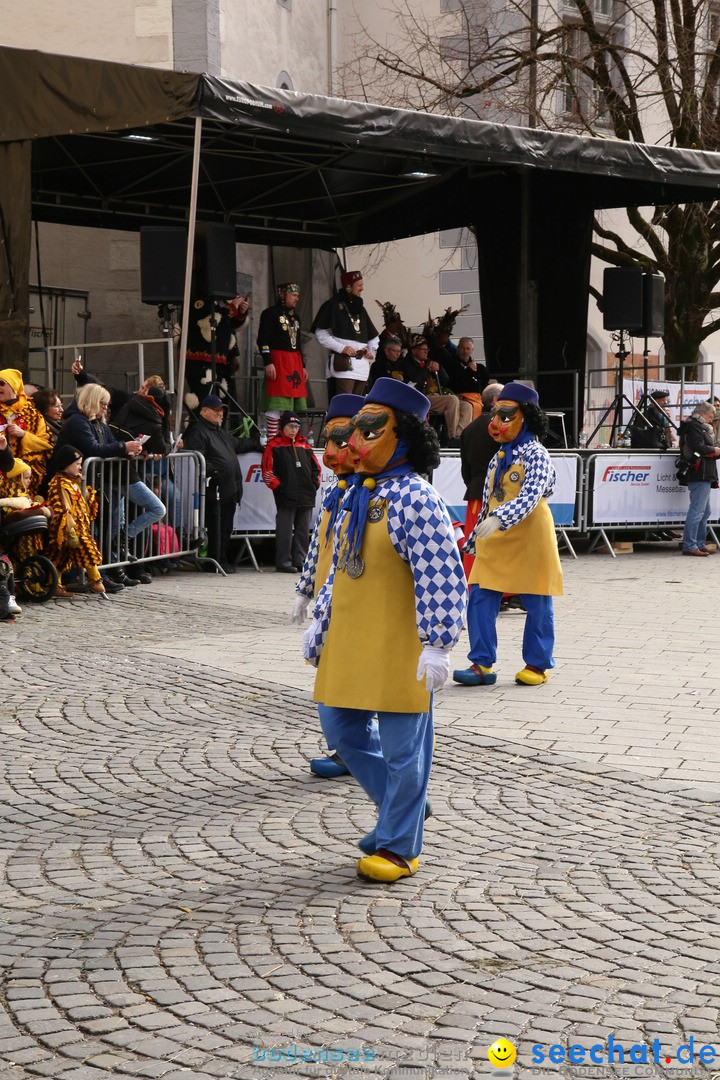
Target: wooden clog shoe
385 866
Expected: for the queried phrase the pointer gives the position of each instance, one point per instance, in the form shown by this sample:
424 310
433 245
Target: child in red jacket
291 471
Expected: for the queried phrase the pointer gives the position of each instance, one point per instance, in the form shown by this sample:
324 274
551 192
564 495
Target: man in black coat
477 449
224 490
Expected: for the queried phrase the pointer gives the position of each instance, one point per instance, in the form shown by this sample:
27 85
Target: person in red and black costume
280 347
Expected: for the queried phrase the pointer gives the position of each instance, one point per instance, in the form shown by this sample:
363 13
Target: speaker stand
617 403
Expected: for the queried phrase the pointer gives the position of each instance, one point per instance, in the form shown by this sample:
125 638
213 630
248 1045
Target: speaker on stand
634 303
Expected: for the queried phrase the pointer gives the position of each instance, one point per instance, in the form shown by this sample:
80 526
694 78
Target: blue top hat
344 405
516 391
398 395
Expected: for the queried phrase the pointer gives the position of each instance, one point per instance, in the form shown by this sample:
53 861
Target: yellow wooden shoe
385 866
531 677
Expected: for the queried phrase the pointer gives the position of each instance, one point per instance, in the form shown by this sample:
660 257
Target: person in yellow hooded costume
17 481
514 542
26 431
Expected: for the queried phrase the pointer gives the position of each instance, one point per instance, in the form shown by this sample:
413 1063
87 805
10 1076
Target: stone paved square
178 891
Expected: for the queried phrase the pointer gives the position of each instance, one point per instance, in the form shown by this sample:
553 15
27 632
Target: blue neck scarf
332 502
507 450
361 493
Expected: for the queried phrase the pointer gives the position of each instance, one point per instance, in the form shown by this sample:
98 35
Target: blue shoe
329 767
477 675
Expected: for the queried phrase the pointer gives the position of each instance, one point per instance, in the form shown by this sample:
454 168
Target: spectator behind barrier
86 429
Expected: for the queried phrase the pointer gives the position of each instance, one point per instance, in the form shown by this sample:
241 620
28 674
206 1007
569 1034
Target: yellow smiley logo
502 1053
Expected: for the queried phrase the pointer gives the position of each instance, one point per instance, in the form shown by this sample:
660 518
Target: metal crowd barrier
178 480
629 462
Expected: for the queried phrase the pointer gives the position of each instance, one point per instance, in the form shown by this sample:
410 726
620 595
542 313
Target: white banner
689 396
257 511
640 489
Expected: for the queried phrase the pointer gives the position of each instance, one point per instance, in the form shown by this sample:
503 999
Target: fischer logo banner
640 489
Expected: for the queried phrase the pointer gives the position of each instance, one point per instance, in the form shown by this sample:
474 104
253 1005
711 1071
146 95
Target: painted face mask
374 439
337 454
507 421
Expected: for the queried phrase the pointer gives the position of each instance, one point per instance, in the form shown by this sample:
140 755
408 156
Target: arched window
284 82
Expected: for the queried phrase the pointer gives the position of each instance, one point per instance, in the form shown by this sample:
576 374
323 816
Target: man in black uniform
343 326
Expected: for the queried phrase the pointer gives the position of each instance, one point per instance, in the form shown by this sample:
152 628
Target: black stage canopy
86 142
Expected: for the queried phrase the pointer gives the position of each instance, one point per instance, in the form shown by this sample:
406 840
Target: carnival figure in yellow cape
385 620
514 542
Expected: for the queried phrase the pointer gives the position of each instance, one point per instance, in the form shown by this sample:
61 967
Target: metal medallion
355 566
515 476
376 510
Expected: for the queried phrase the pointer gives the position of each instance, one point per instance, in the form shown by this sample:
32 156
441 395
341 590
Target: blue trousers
695 532
538 638
392 763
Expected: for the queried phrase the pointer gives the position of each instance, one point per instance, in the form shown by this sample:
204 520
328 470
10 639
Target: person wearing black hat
224 479
280 343
394 602
343 326
71 544
514 542
291 471
657 433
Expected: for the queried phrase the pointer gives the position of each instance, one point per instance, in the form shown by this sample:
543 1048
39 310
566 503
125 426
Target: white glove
434 664
299 610
308 637
487 527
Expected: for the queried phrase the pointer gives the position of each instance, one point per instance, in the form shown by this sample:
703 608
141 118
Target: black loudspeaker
622 299
653 305
163 250
634 301
215 262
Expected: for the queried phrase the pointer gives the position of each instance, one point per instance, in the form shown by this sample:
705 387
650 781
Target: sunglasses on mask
504 412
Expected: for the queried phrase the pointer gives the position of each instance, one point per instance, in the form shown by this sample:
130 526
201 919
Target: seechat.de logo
254 474
627 474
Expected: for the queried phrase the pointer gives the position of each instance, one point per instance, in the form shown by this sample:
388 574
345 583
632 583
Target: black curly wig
536 420
422 442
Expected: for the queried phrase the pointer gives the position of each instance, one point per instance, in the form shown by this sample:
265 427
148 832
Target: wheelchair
35 577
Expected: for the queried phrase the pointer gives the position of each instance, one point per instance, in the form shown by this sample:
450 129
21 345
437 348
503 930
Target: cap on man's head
211 401
517 391
288 417
288 286
398 395
658 395
344 405
418 339
349 277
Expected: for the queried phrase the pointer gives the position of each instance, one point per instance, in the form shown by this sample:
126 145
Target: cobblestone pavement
178 895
